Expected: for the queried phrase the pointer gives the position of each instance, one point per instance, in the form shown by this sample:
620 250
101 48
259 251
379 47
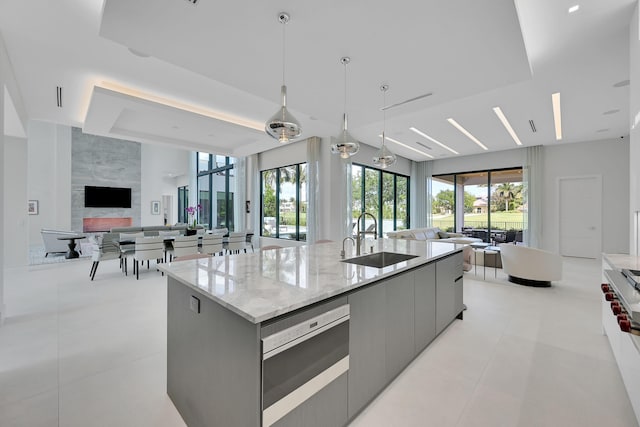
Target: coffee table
72 253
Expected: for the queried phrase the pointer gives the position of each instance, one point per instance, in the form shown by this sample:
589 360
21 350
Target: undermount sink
380 259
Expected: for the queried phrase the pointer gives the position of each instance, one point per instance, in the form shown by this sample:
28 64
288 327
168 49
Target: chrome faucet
364 233
344 240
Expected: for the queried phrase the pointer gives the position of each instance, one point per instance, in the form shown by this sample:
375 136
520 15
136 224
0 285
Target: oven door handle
303 338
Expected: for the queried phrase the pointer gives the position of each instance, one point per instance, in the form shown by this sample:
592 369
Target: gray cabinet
327 408
366 345
448 290
399 323
425 306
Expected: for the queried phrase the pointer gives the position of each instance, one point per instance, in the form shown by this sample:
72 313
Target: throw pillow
443 234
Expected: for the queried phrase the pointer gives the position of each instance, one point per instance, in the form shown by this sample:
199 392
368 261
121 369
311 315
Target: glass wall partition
382 194
284 202
482 204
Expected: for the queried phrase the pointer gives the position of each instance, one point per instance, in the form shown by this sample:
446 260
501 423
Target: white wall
157 161
15 195
634 131
607 158
49 177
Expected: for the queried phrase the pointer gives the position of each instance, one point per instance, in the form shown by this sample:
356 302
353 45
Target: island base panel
213 363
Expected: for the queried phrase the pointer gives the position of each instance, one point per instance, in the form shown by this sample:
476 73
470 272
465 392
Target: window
382 194
183 202
284 202
216 182
484 204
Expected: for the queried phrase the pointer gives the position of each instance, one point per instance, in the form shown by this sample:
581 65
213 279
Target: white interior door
580 202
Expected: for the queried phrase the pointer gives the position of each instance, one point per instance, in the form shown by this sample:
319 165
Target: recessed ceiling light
467 133
602 130
424 135
557 116
507 125
406 146
606 113
574 8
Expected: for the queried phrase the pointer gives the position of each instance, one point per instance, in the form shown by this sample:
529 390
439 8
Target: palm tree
506 191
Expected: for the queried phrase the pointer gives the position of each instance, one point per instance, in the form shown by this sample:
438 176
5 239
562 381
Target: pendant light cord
384 113
284 49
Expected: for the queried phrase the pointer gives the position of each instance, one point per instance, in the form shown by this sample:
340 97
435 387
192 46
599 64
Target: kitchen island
224 313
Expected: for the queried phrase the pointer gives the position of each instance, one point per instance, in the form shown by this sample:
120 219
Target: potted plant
192 224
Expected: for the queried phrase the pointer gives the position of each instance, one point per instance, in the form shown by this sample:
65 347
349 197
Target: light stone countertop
262 285
621 261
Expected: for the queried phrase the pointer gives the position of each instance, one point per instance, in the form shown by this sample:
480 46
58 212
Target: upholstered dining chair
127 247
237 242
106 249
212 244
147 248
184 245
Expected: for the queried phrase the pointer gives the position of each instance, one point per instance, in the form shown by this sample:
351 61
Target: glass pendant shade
282 125
345 144
384 158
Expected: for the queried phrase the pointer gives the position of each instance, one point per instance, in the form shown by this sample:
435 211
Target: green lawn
499 220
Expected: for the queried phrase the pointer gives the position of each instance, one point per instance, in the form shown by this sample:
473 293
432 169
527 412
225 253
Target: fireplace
95 225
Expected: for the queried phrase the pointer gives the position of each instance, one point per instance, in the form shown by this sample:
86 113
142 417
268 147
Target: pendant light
384 158
345 144
282 125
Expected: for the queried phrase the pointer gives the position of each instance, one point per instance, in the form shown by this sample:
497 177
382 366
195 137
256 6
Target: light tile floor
80 353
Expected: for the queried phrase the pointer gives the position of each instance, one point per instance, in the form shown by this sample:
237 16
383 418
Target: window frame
297 234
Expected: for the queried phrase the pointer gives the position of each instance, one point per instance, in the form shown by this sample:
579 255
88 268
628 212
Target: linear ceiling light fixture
466 133
557 116
424 135
345 144
507 125
282 125
574 8
402 144
182 106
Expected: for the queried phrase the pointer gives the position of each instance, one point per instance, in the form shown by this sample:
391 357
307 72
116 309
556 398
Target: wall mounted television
107 197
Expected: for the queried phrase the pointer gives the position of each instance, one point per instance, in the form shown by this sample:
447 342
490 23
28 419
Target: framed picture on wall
32 207
155 207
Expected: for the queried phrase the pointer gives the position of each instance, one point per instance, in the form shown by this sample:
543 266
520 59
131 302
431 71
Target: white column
313 165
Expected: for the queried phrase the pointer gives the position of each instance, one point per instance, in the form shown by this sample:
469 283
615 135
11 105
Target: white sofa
530 266
433 234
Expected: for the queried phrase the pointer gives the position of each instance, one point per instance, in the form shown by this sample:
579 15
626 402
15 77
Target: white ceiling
218 61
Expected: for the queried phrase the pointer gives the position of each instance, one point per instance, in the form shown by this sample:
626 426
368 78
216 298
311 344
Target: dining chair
237 242
168 236
212 244
106 249
127 247
184 245
147 248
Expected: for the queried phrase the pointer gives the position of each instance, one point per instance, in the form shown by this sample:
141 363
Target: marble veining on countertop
265 284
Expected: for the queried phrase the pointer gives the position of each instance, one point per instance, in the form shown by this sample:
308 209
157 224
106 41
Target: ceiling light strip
467 133
557 115
424 135
507 125
182 106
407 146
